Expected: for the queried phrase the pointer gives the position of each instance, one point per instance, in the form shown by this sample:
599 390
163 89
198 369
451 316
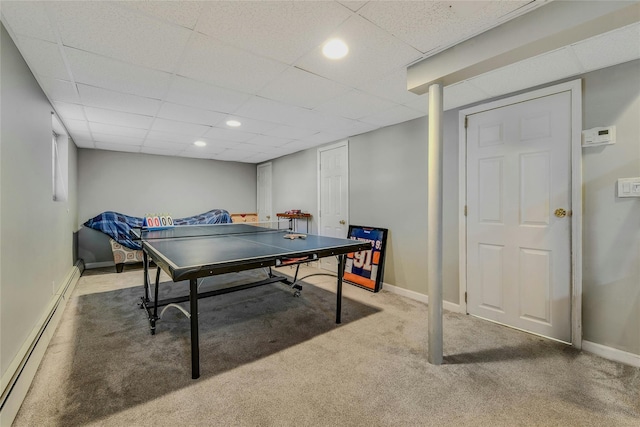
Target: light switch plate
629 187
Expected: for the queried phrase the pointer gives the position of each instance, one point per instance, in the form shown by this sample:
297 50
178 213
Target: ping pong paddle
295 236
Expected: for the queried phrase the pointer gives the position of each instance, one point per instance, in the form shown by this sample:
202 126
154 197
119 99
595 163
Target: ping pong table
197 251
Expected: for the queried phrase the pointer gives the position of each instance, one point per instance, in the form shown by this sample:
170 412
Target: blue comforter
118 226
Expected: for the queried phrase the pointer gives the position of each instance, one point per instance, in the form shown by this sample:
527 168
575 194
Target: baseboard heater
17 367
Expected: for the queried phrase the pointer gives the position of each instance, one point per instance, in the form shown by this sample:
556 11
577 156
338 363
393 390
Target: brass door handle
342 221
560 213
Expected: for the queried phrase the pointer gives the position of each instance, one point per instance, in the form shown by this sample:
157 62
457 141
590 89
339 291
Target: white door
518 215
333 193
264 192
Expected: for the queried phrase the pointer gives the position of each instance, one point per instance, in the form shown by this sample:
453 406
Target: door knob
268 216
560 213
342 221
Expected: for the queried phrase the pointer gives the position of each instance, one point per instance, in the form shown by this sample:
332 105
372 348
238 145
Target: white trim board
450 306
18 377
600 350
575 88
611 353
100 264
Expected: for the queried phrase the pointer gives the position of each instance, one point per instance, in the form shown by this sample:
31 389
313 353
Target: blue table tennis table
197 251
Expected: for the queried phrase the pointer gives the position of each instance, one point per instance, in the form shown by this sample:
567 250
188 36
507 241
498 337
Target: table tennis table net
213 230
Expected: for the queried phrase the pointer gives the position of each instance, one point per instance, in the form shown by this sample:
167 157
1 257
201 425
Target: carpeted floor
269 359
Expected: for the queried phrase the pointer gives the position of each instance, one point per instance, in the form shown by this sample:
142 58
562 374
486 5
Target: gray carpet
269 359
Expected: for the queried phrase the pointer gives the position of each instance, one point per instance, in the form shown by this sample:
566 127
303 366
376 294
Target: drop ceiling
154 77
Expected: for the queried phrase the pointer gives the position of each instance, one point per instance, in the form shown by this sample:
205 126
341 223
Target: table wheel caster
297 288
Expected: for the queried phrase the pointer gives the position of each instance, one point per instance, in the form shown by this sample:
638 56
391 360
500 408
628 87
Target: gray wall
36 241
295 185
137 184
387 180
611 237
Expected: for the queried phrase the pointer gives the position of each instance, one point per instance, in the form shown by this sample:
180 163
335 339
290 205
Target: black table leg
145 260
195 342
339 290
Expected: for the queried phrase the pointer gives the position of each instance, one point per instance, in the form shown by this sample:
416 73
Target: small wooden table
293 220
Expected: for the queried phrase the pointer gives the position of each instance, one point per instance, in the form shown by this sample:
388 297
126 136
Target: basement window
59 162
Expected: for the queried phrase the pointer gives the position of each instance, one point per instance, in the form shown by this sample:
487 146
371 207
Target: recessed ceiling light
233 123
199 143
335 49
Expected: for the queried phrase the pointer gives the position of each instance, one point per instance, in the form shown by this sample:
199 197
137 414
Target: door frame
343 143
270 164
575 89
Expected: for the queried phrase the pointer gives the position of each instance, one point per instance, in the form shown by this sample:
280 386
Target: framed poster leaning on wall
366 268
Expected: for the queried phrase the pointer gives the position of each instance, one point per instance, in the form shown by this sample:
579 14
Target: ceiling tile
289 132
176 138
117 147
69 111
209 149
318 138
202 95
73 125
116 139
392 87
100 115
164 125
217 145
304 144
44 58
107 29
528 73
127 66
372 54
272 111
160 151
354 105
353 5
101 128
211 62
233 155
280 30
59 90
228 134
183 13
355 127
258 158
316 120
82 134
183 113
28 18
397 114
608 49
164 145
83 143
107 73
301 88
98 97
248 125
268 141
430 25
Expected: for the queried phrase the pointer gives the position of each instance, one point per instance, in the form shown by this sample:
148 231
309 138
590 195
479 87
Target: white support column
434 224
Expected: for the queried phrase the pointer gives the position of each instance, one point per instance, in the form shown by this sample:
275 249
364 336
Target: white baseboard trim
100 264
612 353
450 306
20 373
